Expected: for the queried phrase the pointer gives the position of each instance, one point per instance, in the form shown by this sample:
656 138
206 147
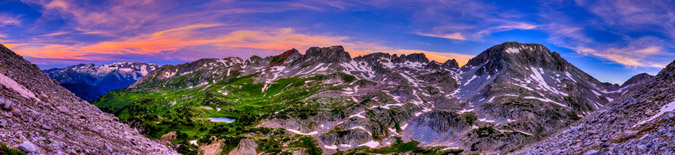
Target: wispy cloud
644 52
453 36
9 20
55 34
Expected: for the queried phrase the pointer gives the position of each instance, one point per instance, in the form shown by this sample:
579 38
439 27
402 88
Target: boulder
28 147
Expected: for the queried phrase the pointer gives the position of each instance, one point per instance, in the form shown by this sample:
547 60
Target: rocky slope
507 96
40 117
641 122
89 81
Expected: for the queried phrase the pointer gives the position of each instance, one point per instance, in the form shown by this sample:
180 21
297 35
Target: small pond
222 119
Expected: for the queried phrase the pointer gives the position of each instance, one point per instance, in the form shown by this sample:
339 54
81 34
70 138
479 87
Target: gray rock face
46 117
327 54
246 147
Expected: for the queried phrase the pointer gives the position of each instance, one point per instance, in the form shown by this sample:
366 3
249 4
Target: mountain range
326 101
89 81
512 98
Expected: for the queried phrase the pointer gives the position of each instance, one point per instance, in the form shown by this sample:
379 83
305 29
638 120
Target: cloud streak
452 36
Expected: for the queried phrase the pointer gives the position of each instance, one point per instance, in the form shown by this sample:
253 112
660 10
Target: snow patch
665 108
303 133
360 114
361 128
371 144
465 111
512 50
486 120
545 100
330 147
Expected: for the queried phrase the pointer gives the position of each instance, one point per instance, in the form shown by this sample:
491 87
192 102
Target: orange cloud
273 40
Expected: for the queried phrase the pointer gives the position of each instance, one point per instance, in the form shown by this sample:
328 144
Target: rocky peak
515 54
231 61
450 64
291 55
253 61
327 54
640 78
433 65
415 57
373 57
667 73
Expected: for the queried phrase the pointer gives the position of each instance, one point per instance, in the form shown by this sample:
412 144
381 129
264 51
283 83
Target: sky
610 39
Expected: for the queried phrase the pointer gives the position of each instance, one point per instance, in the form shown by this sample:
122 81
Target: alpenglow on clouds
610 40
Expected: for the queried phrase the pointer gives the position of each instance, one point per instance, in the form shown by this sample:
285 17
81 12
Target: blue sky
611 40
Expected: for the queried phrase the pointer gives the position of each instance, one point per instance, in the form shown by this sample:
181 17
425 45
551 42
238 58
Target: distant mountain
326 101
89 81
641 122
38 116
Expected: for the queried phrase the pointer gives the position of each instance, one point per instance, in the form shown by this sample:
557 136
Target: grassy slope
187 111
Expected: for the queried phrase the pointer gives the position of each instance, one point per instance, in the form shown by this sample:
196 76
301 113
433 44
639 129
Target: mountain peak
327 54
639 78
414 57
518 54
291 54
450 63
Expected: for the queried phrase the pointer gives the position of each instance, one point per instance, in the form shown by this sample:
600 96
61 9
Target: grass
9 151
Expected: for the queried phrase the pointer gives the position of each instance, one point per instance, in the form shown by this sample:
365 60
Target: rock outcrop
246 147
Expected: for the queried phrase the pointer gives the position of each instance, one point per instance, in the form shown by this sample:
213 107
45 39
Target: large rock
28 147
246 147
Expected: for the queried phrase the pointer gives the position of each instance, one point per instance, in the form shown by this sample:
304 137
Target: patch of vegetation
309 143
9 151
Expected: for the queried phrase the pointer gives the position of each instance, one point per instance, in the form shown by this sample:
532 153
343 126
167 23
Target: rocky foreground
642 122
40 117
